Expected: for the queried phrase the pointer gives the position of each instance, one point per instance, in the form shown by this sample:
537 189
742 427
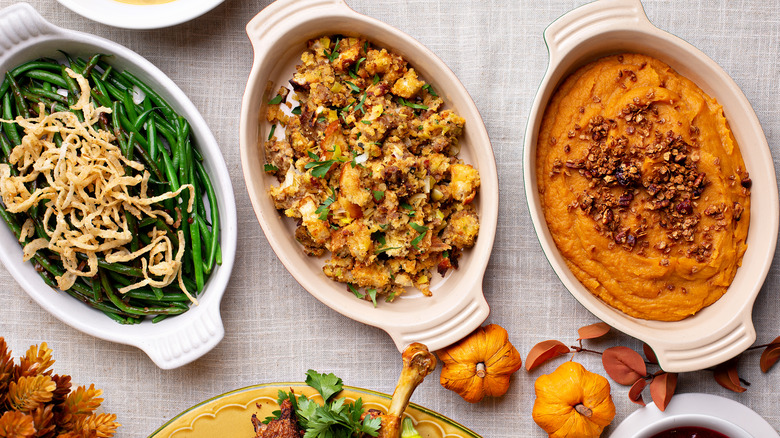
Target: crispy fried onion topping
88 194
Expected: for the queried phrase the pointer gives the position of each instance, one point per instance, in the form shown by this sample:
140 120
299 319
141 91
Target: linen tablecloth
275 330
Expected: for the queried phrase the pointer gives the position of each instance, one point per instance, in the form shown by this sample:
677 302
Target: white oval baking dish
175 341
279 34
724 329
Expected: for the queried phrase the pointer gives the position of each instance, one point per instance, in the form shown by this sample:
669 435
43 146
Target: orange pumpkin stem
583 410
481 370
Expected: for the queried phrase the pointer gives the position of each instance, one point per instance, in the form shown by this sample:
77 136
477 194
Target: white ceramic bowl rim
725 328
134 16
280 32
175 341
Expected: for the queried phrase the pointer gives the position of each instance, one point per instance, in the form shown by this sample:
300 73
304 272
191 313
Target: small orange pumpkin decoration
573 402
480 364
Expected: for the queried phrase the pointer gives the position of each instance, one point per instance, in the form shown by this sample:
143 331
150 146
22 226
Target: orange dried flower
15 424
33 395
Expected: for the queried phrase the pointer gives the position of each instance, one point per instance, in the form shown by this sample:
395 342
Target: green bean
212 197
5 145
51 95
121 305
151 137
47 76
91 64
156 98
21 105
37 64
197 252
10 128
151 296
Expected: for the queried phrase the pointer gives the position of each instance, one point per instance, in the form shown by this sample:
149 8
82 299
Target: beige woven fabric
275 331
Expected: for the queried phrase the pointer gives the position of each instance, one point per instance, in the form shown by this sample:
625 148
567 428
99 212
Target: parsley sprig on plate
335 418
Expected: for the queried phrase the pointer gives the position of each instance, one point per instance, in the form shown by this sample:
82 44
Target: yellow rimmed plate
230 414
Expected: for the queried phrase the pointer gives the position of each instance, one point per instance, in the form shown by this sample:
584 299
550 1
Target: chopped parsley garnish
376 79
405 102
385 249
359 106
271 134
321 119
409 209
324 208
333 54
335 418
365 122
354 290
355 88
420 229
270 168
372 294
297 110
319 168
429 89
357 66
390 297
378 195
276 100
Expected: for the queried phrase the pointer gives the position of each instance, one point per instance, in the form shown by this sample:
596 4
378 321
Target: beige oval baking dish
724 329
279 34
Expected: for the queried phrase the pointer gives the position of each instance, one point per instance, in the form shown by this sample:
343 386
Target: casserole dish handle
734 338
601 16
19 24
449 328
270 22
185 341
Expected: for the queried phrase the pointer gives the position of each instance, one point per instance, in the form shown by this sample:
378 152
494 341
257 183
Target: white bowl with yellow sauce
140 14
175 341
723 329
457 306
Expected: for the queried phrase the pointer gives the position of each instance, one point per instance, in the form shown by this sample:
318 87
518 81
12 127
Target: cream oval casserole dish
723 329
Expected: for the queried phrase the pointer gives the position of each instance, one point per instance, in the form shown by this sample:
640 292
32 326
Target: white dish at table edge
688 409
278 35
724 329
132 16
175 341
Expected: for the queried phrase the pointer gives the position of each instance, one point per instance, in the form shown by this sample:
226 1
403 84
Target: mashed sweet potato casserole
643 187
368 167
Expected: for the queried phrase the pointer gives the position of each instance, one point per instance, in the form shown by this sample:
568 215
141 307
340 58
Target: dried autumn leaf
662 389
15 424
726 375
29 392
624 365
593 331
649 354
770 355
635 393
544 351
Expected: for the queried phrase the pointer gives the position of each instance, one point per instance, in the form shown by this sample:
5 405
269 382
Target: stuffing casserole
368 168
